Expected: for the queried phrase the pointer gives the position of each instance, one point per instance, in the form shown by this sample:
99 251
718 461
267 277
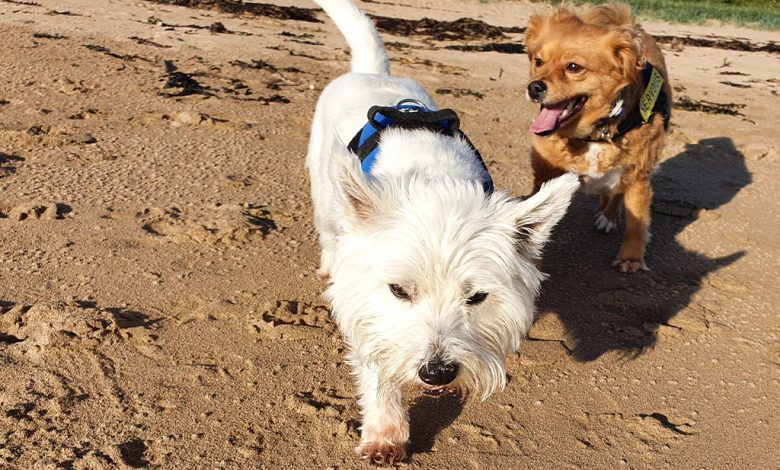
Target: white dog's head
434 283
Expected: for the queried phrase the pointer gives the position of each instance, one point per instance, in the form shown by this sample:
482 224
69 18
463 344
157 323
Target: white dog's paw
630 266
382 453
603 224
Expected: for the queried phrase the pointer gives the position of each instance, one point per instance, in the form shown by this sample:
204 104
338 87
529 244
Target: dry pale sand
158 300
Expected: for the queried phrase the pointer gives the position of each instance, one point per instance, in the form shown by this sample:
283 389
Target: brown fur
612 47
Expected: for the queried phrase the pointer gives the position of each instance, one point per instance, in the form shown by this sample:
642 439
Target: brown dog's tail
610 14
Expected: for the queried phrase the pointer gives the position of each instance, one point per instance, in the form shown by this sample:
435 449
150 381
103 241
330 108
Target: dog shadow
427 417
604 310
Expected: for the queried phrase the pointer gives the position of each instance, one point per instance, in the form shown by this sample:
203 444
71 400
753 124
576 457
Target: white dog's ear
353 191
536 216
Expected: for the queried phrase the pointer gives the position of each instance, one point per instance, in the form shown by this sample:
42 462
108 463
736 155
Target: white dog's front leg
385 429
328 244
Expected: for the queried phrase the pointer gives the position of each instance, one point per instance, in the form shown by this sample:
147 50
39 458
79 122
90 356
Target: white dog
433 276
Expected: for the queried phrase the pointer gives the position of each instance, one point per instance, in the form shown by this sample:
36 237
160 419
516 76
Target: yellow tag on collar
650 96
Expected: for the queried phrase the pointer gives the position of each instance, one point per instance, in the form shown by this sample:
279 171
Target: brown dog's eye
538 62
399 292
477 298
572 67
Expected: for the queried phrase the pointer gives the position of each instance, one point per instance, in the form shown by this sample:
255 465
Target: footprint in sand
9 163
648 434
214 224
291 319
133 453
317 403
34 328
36 211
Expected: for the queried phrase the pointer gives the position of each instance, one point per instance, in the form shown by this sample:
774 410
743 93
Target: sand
159 306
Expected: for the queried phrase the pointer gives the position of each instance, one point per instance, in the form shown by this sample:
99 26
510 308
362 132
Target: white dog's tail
368 50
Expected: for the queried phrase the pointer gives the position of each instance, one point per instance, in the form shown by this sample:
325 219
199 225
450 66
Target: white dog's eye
399 292
477 298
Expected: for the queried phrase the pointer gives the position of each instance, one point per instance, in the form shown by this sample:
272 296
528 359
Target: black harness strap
365 144
634 118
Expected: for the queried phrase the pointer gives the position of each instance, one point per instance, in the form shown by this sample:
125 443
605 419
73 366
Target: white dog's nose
438 372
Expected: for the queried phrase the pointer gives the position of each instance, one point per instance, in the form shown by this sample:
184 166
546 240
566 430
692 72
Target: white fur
368 50
421 220
605 225
595 181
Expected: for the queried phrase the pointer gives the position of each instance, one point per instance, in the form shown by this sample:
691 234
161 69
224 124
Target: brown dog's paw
382 453
604 224
629 265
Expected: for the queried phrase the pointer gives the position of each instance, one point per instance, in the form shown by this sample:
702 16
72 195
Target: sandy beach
159 303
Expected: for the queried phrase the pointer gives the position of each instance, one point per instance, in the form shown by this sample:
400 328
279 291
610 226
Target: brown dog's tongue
548 118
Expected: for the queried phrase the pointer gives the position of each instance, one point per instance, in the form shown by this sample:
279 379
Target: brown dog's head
580 67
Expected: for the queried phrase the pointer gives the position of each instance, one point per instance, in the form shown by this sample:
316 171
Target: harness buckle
404 107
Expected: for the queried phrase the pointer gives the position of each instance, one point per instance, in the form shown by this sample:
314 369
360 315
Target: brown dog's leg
603 201
609 212
637 202
543 170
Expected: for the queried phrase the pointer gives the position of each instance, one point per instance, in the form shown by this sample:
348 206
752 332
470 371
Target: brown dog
605 106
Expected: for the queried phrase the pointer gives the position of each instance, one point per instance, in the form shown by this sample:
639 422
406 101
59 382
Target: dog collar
653 100
407 114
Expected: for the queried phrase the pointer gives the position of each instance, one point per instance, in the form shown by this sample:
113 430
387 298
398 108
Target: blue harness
407 114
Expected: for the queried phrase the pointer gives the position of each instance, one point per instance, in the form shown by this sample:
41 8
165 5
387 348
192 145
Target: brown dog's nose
536 89
438 373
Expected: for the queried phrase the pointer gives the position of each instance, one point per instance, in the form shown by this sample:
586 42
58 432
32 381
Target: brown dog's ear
562 14
630 53
538 23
